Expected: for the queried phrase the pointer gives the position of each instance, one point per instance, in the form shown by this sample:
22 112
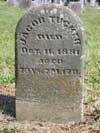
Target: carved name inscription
52 20
65 51
49 75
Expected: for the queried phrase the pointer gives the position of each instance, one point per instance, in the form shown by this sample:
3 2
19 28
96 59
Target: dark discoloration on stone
49 65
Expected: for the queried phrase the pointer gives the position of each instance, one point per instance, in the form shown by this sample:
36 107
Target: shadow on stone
7 104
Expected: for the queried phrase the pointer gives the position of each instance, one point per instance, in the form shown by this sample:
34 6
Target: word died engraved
53 19
49 37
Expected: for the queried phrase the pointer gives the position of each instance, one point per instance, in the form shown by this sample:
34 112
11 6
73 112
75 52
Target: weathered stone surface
12 2
24 3
20 3
77 7
92 3
48 1
49 65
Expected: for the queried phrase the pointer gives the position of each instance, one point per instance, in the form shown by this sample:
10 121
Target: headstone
20 3
77 7
24 3
92 3
61 2
49 65
87 2
82 3
12 2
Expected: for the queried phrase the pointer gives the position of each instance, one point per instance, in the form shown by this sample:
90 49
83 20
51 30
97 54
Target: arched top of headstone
51 9
49 65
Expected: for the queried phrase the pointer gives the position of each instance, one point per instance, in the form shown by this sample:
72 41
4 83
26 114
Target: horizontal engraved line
49 37
49 61
37 51
49 71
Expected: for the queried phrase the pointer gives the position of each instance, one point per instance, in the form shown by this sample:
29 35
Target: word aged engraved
48 61
49 71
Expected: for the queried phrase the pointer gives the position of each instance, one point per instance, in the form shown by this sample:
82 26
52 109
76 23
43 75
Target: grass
8 20
91 19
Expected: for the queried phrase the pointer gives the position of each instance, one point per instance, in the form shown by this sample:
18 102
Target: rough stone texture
20 3
12 2
49 65
48 1
77 7
92 3
25 3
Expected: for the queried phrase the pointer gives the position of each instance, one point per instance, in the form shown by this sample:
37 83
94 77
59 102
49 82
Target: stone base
45 113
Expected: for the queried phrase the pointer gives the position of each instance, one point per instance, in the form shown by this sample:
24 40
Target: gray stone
92 3
12 2
49 65
24 3
61 2
77 7
20 3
